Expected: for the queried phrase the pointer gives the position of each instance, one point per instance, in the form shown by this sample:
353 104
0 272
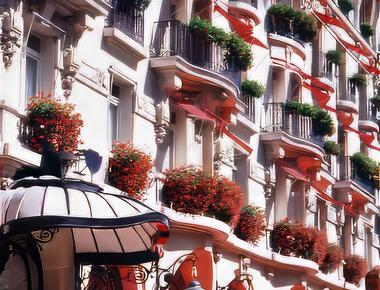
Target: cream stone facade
126 74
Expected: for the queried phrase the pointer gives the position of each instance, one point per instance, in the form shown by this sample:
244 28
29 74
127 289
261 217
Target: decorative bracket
70 69
12 28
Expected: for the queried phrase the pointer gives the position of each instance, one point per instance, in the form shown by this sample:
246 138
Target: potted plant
354 269
345 6
358 79
189 190
331 148
129 170
284 20
334 56
323 124
252 88
333 258
49 121
237 55
227 201
366 30
364 166
293 239
251 224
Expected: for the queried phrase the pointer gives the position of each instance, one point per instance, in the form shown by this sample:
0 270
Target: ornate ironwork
44 236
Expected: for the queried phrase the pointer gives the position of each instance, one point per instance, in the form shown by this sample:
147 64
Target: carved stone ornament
12 27
70 69
162 121
224 153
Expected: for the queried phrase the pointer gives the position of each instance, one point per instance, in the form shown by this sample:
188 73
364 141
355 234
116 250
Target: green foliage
334 56
322 122
359 79
282 17
345 6
331 148
237 55
366 30
365 167
252 88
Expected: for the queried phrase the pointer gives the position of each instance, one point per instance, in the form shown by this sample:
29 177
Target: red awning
292 170
318 186
239 142
194 111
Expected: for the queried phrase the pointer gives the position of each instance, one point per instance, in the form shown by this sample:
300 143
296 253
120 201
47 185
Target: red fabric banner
241 27
330 20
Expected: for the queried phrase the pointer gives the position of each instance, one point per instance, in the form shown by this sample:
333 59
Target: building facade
135 75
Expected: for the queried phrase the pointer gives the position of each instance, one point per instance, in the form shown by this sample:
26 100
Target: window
113 119
32 75
198 128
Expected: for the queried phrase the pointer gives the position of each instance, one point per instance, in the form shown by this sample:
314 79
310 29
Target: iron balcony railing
249 106
323 67
278 119
349 171
127 19
173 38
347 91
251 2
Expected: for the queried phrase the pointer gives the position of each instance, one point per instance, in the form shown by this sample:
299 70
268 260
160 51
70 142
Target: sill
118 38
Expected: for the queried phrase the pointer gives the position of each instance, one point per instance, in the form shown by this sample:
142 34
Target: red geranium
228 200
51 122
333 258
251 224
354 269
129 169
293 239
189 189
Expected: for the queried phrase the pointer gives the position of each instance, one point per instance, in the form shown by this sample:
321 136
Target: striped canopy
100 226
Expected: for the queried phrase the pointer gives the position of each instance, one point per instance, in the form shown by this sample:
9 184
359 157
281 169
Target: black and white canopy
99 226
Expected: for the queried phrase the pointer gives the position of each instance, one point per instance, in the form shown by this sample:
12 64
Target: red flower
354 269
129 170
251 224
57 123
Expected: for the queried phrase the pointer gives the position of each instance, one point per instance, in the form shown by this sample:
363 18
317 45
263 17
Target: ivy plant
366 30
364 166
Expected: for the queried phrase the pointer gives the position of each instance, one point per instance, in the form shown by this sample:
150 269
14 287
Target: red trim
330 20
243 29
292 170
195 111
239 142
324 195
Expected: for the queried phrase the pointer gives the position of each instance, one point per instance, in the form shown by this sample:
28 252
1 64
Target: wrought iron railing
249 106
351 91
349 171
129 20
251 2
171 38
278 119
322 67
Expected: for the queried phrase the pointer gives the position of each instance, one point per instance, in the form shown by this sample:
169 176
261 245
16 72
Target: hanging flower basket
354 269
49 121
129 170
251 224
332 260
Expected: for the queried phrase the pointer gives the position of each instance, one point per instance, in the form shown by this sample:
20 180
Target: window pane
31 76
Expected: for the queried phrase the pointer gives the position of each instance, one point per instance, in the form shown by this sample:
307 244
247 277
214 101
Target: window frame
33 54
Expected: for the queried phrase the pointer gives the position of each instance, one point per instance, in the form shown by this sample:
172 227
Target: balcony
176 51
348 95
287 50
291 131
245 8
125 28
353 180
95 7
249 105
